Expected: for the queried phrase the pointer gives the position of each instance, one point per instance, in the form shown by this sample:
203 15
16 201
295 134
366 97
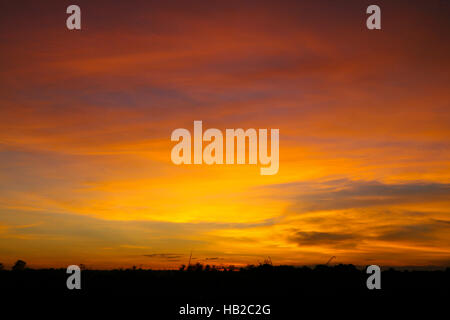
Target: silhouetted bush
19 265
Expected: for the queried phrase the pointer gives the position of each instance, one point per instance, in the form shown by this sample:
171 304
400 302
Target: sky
86 118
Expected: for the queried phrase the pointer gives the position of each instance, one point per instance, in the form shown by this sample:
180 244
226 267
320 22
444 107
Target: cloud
348 194
167 256
419 233
427 233
320 238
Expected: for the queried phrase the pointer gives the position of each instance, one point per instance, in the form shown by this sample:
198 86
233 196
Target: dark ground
287 289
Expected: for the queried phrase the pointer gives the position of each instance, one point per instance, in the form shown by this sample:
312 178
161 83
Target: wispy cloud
348 194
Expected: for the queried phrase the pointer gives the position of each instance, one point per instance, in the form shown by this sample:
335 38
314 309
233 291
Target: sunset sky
86 118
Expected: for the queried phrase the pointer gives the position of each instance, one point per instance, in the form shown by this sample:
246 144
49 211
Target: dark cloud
168 256
424 232
320 238
347 194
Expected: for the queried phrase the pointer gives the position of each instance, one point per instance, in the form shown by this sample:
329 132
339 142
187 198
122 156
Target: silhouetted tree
19 265
1 266
196 267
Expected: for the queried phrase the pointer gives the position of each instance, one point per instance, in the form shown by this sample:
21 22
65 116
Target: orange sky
86 118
